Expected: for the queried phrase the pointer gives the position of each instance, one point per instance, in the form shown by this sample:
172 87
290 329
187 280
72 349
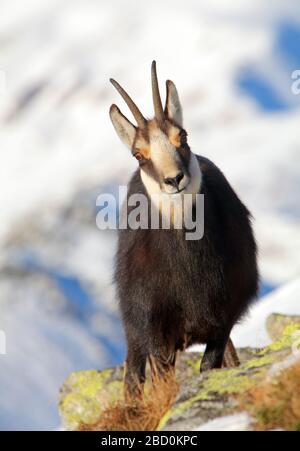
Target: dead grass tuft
276 404
141 414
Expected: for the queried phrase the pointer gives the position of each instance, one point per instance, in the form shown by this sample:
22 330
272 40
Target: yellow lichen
237 380
194 364
260 361
218 382
286 340
85 395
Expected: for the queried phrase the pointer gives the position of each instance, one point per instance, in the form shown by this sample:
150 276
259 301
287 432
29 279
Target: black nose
174 181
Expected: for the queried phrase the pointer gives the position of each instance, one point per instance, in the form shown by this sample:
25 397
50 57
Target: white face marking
164 157
196 176
167 164
150 184
163 154
153 188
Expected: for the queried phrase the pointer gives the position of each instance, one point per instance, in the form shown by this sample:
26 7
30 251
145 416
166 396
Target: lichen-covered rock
276 324
86 393
201 397
213 394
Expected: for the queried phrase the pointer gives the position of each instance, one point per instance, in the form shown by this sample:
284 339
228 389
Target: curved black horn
158 109
141 121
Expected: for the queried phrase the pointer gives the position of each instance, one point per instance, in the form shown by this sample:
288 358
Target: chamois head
160 144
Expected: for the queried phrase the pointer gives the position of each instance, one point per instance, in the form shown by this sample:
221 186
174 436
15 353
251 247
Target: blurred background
232 63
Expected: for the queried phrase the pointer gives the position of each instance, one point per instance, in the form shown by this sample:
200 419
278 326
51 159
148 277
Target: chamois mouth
180 190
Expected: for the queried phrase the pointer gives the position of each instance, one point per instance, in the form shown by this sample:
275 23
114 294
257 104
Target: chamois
175 292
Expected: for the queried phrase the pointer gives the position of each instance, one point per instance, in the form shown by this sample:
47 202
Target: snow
252 331
229 423
232 63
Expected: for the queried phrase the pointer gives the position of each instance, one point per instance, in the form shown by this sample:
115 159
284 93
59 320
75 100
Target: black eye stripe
183 136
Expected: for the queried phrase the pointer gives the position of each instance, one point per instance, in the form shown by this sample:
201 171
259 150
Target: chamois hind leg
231 359
213 355
134 374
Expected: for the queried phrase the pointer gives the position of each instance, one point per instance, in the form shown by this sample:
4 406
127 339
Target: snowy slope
252 331
232 62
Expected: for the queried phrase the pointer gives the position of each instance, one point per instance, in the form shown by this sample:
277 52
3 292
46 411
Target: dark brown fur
174 293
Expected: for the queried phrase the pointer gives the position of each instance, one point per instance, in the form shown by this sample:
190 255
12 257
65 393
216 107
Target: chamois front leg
134 374
213 355
162 365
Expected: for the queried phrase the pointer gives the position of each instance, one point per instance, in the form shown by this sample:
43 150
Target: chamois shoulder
217 187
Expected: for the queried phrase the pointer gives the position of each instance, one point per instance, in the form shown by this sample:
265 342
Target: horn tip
113 108
170 84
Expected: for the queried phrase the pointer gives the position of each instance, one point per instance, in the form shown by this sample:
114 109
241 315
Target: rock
236 422
85 394
201 398
276 324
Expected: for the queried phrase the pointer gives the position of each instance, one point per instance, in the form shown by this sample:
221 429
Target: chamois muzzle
174 181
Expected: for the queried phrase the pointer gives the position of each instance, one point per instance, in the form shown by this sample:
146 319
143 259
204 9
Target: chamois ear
124 128
173 108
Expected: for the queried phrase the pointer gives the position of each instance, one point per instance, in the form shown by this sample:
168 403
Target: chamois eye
138 156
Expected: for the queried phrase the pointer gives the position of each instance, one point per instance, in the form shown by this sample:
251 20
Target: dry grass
276 404
138 415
